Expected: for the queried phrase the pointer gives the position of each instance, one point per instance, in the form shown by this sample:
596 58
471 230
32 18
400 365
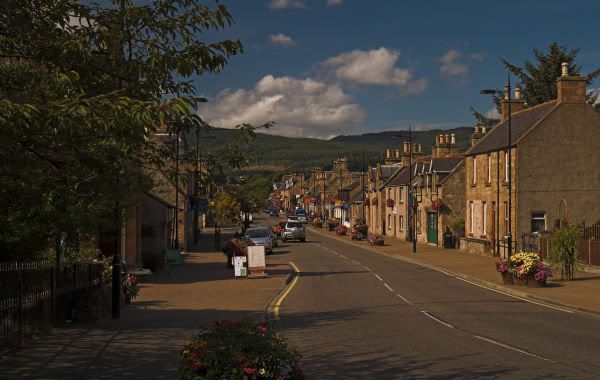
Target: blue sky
320 68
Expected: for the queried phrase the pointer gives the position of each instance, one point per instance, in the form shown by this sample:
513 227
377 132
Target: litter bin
448 240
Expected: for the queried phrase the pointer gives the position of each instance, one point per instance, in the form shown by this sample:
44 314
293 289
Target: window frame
484 219
471 215
474 172
544 218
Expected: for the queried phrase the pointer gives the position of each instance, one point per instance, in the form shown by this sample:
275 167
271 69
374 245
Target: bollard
116 287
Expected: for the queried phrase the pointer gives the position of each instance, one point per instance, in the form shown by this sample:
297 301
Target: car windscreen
256 233
294 225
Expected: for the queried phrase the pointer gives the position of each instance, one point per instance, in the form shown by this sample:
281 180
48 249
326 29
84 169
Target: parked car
274 236
260 236
293 219
302 216
294 230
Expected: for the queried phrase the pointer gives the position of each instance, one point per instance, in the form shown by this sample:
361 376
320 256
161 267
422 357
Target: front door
432 227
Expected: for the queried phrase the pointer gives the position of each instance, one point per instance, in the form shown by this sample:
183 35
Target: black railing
35 295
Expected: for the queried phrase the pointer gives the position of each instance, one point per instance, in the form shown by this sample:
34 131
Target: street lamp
509 232
362 179
411 194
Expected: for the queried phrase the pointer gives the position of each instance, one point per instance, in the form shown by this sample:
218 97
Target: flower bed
341 230
376 239
242 350
525 268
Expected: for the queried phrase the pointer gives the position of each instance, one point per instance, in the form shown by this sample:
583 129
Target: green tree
82 86
538 78
226 209
564 251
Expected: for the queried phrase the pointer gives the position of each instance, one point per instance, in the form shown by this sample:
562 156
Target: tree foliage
82 86
537 79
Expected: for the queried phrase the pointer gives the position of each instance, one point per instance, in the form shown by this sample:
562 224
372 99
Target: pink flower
248 371
262 329
196 366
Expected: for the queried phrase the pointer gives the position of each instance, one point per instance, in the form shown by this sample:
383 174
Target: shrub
242 350
564 251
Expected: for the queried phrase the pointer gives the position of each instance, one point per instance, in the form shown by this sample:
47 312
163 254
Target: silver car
293 230
260 236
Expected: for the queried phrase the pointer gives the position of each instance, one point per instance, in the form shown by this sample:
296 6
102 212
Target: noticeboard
256 261
239 269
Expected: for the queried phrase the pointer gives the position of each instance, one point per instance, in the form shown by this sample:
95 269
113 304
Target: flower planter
519 281
507 278
532 283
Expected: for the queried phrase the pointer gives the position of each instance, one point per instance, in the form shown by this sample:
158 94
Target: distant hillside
279 153
386 139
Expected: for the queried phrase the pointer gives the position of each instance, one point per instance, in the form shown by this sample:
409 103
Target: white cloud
282 4
492 113
452 66
375 67
479 57
334 2
282 40
300 107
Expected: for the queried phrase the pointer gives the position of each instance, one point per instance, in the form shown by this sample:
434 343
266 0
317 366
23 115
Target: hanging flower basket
389 203
374 202
441 207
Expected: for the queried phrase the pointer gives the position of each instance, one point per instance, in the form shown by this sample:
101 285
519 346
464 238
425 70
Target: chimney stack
477 134
571 89
516 104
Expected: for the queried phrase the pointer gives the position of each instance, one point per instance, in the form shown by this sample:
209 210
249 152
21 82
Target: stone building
438 182
554 151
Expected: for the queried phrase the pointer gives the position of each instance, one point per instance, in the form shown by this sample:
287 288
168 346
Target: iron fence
35 295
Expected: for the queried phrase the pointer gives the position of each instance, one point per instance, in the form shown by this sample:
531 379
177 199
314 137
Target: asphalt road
357 314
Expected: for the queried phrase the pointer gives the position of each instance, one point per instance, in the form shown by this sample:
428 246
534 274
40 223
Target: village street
358 314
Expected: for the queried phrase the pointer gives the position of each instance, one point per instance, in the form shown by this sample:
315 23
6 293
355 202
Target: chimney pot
517 93
564 69
506 92
453 139
483 129
387 153
447 139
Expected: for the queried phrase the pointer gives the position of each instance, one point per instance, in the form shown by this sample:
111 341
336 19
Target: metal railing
34 295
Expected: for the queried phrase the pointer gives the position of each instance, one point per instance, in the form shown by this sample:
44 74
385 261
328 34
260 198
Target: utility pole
509 236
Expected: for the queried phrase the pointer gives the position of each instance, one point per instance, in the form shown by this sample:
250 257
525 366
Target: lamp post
509 166
362 180
411 194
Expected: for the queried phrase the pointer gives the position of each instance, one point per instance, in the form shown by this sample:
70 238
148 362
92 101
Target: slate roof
521 122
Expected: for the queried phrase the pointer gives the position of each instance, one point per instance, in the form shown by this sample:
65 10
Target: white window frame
484 219
401 222
489 168
400 195
389 222
506 168
538 218
474 170
471 215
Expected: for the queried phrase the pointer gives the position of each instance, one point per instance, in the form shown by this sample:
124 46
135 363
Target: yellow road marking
287 291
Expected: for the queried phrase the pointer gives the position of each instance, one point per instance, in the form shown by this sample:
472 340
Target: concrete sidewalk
145 341
581 294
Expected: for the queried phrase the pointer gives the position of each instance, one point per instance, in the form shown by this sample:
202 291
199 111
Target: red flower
248 371
262 329
197 366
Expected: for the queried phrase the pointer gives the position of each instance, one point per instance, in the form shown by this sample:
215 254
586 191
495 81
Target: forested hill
427 138
272 152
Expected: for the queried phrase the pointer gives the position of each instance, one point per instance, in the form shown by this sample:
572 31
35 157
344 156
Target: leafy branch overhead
82 87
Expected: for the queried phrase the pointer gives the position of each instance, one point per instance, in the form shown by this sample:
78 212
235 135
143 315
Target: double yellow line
287 291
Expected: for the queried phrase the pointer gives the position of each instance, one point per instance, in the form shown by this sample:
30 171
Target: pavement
581 294
145 342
